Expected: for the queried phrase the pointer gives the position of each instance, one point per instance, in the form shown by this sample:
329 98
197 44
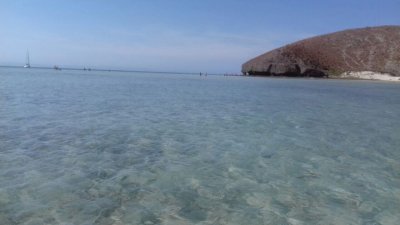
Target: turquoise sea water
128 148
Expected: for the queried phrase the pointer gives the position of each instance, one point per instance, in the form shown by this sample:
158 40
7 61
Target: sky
215 36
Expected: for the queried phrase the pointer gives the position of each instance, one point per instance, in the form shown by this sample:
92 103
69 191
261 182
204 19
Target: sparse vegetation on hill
374 49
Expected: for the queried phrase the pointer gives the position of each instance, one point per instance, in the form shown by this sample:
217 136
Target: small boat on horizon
27 61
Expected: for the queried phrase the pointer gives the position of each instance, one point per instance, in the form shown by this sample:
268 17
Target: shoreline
355 76
369 75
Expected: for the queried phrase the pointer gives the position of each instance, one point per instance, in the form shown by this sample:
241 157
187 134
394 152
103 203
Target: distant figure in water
200 73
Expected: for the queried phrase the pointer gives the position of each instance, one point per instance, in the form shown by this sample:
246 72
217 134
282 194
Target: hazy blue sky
172 35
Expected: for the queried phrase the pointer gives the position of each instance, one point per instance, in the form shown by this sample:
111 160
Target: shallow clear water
120 148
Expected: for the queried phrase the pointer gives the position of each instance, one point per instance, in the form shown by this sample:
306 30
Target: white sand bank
368 75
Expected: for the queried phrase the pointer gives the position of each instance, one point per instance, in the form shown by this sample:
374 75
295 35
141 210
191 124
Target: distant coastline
350 75
111 70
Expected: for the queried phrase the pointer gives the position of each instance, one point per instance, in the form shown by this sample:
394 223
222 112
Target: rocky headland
366 53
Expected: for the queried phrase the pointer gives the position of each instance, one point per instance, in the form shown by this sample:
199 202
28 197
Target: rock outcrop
374 49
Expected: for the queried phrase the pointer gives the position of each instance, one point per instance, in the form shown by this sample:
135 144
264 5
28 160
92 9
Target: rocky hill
375 49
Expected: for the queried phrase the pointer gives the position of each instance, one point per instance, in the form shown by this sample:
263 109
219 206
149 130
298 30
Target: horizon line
120 70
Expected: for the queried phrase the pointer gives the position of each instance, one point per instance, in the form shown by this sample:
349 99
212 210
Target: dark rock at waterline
375 49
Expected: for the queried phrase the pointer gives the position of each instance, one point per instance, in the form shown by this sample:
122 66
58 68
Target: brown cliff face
374 49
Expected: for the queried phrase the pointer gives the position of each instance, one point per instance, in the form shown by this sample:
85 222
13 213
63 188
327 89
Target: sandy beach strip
369 75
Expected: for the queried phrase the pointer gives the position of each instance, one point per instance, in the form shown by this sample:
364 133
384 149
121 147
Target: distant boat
27 63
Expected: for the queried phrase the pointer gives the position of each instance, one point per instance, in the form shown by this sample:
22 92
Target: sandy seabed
110 148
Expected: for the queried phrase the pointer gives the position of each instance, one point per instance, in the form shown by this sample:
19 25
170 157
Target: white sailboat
27 63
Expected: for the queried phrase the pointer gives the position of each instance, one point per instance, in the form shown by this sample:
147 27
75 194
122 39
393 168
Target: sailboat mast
27 62
27 58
